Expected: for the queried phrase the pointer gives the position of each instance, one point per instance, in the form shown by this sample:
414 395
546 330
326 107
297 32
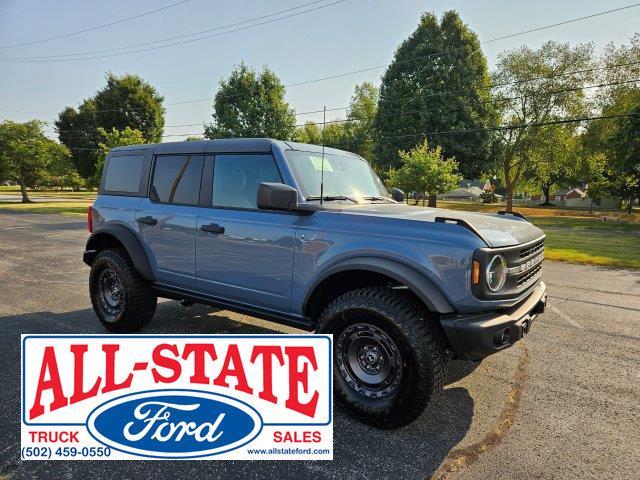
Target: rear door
167 219
243 254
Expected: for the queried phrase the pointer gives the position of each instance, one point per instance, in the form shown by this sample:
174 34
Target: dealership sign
111 397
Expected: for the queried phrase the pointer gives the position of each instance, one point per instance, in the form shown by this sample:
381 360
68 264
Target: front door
244 254
167 219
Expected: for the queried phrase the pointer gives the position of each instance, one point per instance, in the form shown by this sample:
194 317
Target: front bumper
473 337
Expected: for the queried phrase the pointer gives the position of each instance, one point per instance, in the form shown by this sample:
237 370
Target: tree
359 127
536 86
333 134
112 139
438 81
602 139
355 133
249 104
125 102
26 153
308 133
554 157
425 171
626 158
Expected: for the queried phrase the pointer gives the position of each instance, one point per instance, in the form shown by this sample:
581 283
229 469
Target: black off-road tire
418 338
137 301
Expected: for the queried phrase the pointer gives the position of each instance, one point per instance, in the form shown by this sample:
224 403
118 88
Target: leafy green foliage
424 170
249 104
359 127
553 93
555 159
356 133
626 158
308 133
125 102
26 154
438 81
112 139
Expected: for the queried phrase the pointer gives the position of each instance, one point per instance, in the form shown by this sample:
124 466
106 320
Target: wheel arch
118 236
348 274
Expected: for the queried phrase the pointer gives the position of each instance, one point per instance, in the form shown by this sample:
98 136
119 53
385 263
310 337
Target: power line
96 27
531 79
18 60
502 127
161 40
417 58
401 113
471 130
422 57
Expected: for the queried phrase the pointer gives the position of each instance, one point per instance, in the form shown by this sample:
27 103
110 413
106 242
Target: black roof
206 146
227 145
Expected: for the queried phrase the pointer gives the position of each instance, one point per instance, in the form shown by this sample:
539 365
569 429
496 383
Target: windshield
343 176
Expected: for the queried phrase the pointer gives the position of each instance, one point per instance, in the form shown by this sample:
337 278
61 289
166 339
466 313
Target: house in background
469 194
568 194
469 191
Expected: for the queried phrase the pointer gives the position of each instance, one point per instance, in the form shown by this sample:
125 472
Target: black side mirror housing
397 195
277 196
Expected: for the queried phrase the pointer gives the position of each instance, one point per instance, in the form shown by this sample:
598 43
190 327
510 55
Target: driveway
561 404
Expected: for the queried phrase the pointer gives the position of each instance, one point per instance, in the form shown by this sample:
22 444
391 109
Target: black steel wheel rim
369 360
110 292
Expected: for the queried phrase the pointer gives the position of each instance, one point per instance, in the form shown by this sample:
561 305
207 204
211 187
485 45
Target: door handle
147 220
212 228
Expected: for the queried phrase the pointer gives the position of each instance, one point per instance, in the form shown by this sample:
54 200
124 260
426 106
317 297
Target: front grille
524 269
529 275
532 250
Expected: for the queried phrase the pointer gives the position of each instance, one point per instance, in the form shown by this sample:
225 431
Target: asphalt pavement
563 403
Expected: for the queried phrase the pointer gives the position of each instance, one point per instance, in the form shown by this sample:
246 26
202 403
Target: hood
496 230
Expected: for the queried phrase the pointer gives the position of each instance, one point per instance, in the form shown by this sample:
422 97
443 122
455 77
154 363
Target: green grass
15 190
78 208
590 241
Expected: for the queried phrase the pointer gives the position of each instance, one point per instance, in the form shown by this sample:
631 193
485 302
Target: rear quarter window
123 173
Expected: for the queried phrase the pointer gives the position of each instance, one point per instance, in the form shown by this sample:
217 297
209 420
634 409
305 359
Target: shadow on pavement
361 451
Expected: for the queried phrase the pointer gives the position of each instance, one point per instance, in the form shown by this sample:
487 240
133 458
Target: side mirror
397 195
277 196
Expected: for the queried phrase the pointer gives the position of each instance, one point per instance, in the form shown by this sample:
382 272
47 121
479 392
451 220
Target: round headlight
496 273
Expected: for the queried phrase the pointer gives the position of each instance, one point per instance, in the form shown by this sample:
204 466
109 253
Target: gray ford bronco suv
240 224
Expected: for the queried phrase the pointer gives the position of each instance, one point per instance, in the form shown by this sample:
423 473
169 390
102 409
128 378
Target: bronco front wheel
389 355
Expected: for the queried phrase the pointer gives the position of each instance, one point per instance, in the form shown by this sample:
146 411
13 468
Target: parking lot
562 404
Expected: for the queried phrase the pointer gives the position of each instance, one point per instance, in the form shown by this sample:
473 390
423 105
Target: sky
338 37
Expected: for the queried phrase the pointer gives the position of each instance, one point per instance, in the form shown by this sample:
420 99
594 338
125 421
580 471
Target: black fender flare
431 295
127 239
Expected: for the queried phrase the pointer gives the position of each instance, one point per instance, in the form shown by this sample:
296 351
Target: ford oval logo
174 423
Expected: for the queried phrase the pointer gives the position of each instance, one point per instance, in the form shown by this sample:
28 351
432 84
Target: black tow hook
540 306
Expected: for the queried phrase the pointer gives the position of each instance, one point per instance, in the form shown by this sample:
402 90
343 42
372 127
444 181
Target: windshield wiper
373 199
329 198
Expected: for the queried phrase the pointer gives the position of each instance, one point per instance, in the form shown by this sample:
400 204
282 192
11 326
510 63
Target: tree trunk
630 203
23 191
510 198
546 191
432 200
591 206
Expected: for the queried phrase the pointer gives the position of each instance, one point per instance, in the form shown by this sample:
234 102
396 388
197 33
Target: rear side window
236 179
123 173
176 179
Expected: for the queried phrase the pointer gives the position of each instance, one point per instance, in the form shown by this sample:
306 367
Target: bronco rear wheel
389 355
121 298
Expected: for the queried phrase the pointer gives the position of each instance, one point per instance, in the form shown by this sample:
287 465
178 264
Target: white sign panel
211 397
